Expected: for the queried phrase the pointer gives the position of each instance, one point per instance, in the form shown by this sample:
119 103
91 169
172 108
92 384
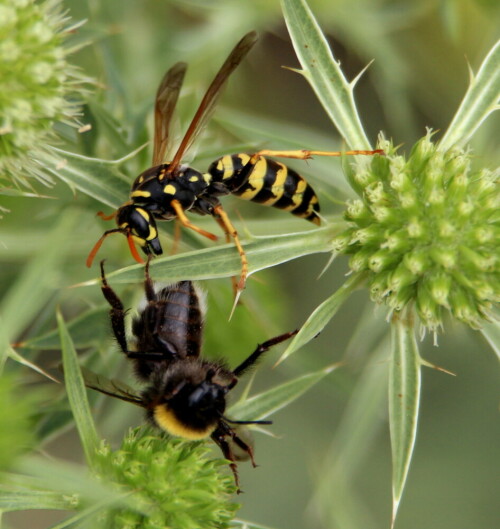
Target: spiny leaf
268 402
481 99
89 328
323 72
318 320
224 261
404 400
34 285
77 395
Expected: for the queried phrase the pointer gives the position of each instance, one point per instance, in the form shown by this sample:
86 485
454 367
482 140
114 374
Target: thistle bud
429 233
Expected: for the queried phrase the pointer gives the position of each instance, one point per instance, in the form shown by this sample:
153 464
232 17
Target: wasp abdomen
267 182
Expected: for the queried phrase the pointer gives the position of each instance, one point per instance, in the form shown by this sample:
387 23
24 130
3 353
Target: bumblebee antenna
244 422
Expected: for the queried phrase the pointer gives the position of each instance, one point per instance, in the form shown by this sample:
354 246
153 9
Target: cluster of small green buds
36 82
425 231
167 483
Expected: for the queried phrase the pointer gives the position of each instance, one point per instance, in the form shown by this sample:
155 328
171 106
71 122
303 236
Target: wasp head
138 225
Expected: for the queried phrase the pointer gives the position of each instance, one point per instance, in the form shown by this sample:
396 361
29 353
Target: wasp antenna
106 217
133 249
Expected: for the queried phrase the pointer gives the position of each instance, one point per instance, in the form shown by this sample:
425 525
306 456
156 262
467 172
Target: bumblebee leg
116 313
244 446
176 205
261 348
219 437
221 217
304 154
148 282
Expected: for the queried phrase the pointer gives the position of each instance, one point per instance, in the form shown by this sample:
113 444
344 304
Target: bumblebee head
193 410
138 225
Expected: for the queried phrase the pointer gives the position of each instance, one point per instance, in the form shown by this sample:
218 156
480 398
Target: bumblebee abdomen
173 323
166 419
267 182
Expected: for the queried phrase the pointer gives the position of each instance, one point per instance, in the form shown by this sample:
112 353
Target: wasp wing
166 100
111 387
211 97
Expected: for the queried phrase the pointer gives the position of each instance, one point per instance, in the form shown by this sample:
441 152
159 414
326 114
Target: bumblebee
184 395
167 190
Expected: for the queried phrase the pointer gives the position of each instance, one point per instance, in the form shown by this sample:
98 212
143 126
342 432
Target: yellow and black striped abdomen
266 182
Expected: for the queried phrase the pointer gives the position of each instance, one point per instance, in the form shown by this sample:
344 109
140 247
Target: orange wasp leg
228 239
221 217
176 205
304 154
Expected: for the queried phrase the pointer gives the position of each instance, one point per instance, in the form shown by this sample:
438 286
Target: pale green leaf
242 524
22 499
404 400
323 72
491 331
268 402
34 285
224 261
73 480
318 320
89 328
481 99
12 353
97 178
77 394
14 192
82 515
336 499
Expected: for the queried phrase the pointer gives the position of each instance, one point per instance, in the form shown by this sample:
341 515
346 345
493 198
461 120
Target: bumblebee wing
110 387
210 98
173 322
166 100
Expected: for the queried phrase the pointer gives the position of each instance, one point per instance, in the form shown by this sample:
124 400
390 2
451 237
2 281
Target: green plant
37 84
49 240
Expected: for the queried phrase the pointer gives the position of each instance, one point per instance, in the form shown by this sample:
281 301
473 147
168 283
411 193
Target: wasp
168 189
184 394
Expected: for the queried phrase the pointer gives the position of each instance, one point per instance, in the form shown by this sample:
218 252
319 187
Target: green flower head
168 483
35 84
425 231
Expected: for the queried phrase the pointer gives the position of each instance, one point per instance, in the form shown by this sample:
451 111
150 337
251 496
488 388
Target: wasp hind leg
225 223
305 154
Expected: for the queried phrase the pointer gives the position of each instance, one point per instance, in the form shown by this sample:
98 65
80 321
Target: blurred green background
329 458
